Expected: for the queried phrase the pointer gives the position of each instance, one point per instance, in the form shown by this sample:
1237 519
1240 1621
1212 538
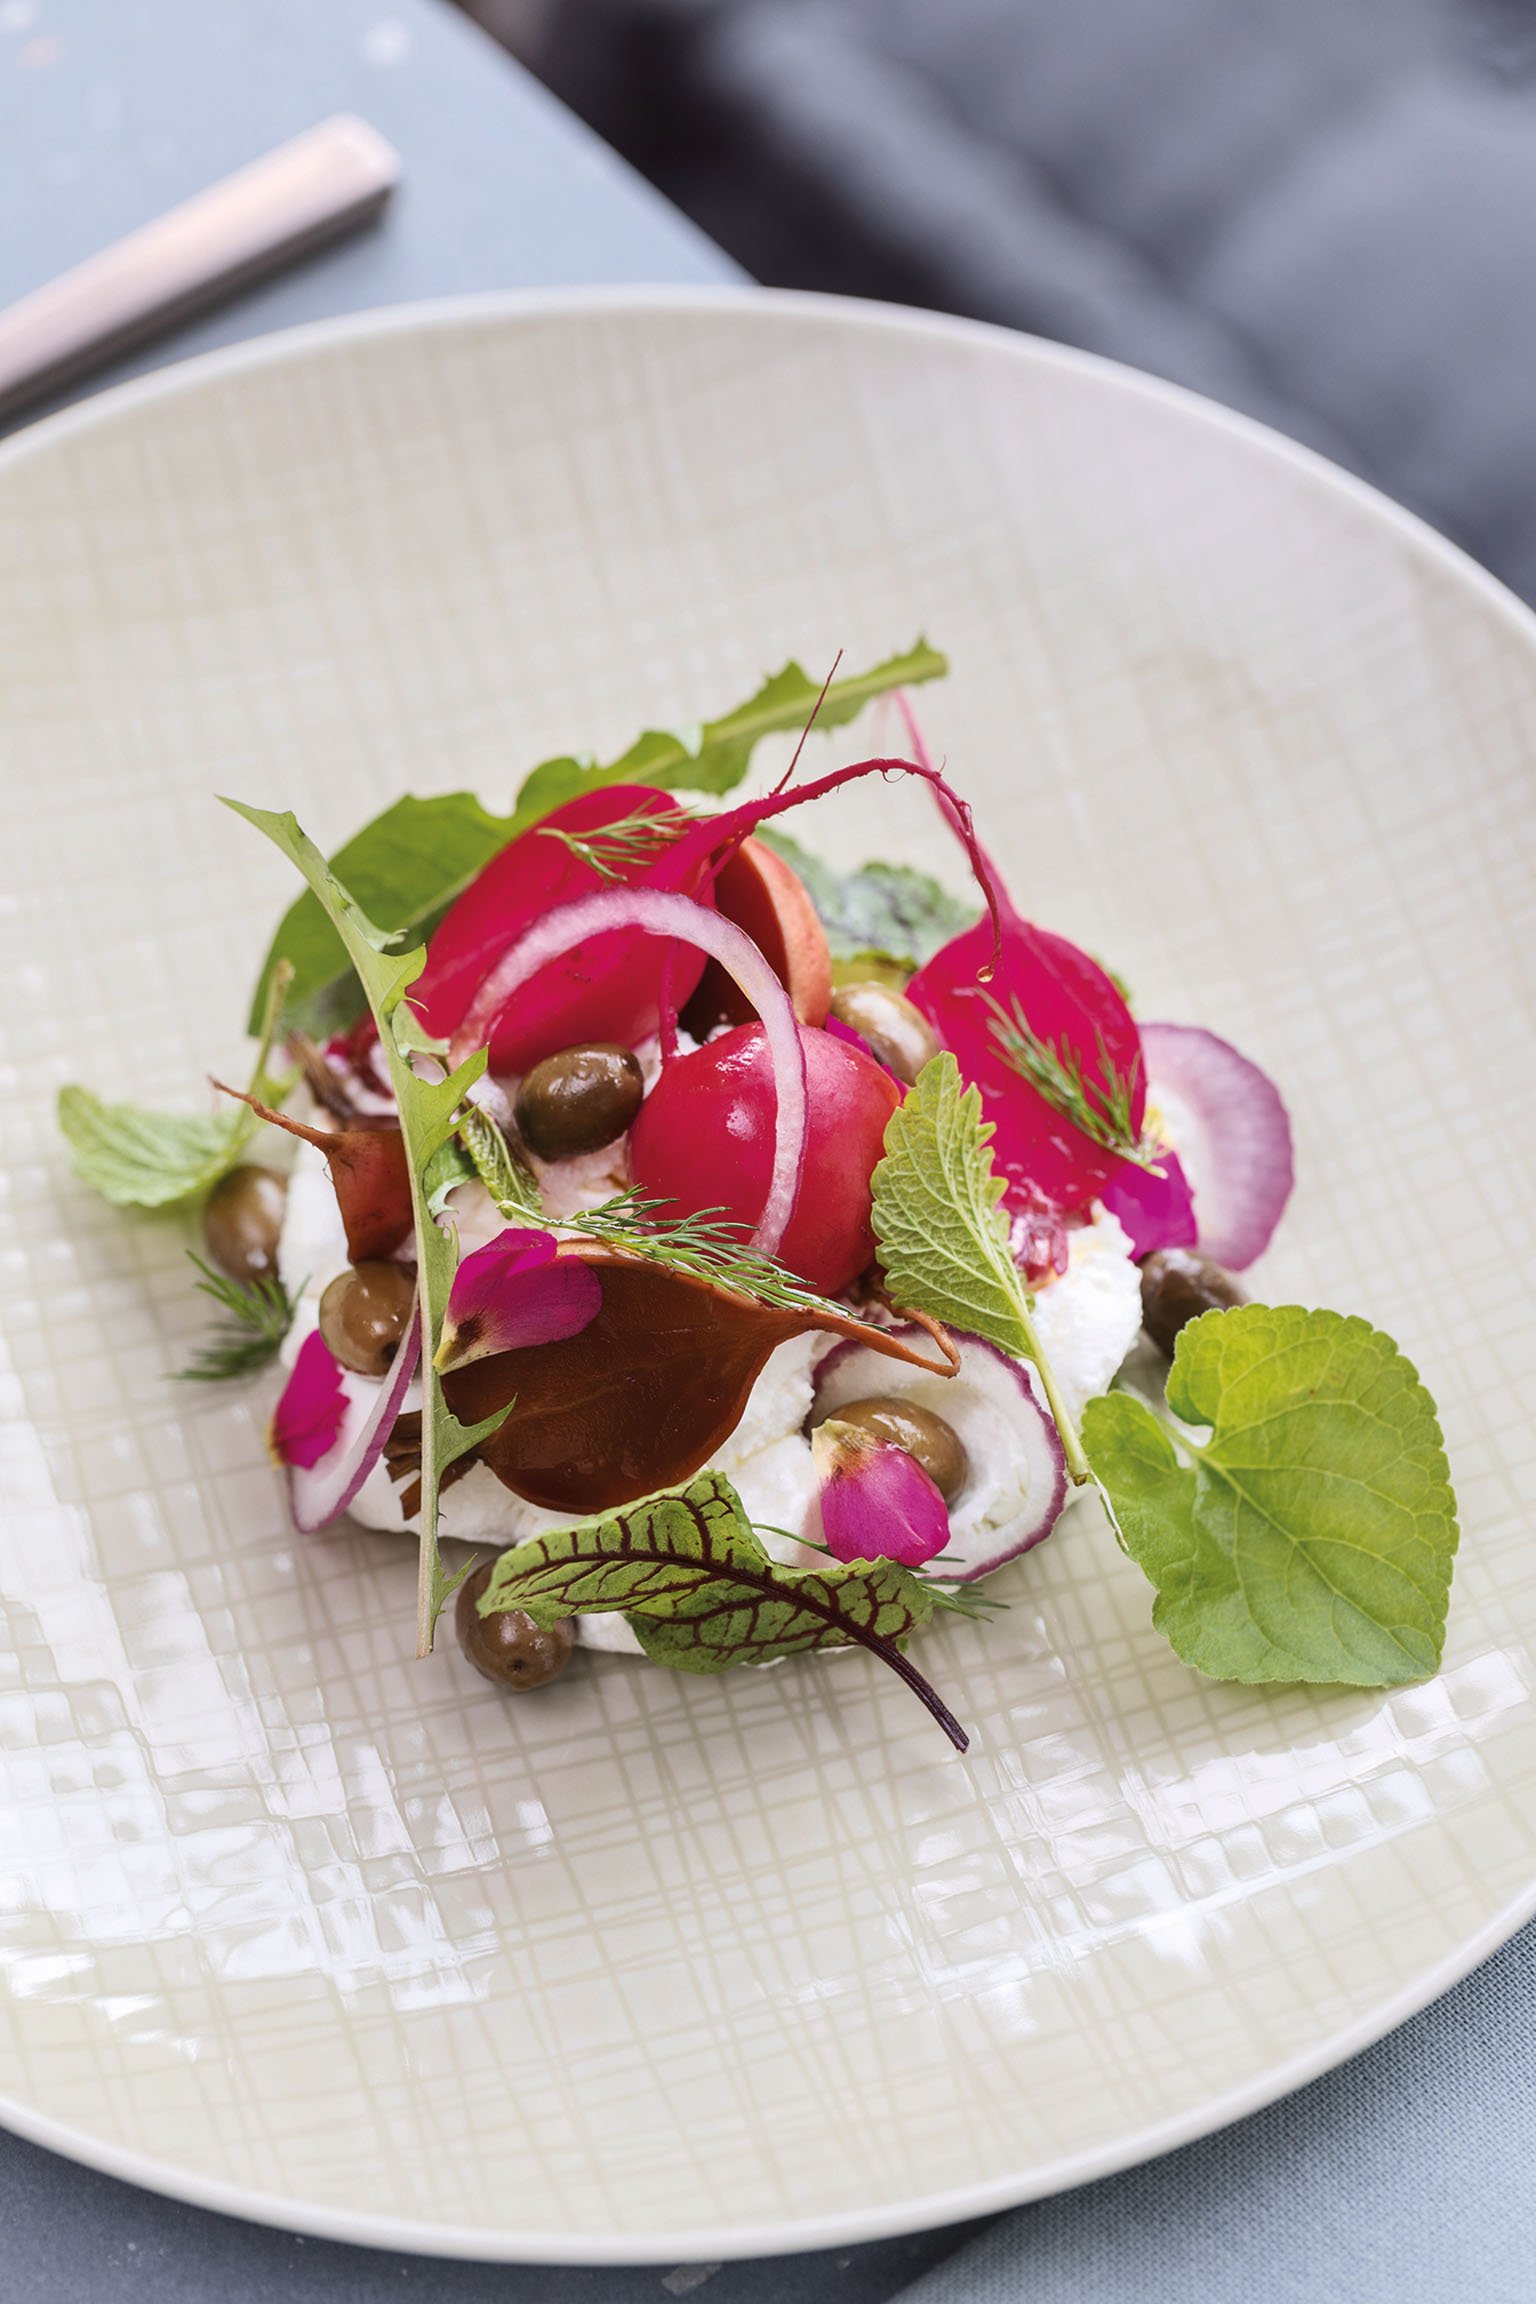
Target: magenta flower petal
516 1291
1156 1211
877 1502
308 1418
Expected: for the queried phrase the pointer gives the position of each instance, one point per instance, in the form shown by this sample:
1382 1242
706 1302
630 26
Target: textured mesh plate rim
957 2203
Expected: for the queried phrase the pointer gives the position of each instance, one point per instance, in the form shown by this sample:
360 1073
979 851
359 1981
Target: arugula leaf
429 1113
880 912
406 867
689 1572
139 1158
1311 1536
942 1236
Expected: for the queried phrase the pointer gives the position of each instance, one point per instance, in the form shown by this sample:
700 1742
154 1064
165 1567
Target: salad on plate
714 1252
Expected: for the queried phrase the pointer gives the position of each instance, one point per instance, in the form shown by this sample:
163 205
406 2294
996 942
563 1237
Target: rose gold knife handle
323 183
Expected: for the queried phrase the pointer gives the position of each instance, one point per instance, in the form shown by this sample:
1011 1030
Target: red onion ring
320 1495
658 912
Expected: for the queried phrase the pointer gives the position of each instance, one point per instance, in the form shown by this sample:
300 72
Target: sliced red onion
312 1407
1233 1136
1016 1478
319 1493
660 912
876 1502
517 1290
1156 1211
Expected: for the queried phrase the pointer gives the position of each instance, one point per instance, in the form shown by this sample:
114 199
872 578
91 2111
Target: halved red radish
1233 1135
704 1139
320 1491
657 912
1070 1006
1016 1480
766 897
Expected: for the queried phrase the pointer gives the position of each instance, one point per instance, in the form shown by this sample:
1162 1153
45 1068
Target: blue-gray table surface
1406 2175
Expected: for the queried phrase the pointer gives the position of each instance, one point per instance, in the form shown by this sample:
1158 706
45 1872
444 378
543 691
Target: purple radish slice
1016 1480
1233 1136
319 1493
659 912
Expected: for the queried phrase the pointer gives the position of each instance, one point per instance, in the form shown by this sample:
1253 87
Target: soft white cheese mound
1088 1319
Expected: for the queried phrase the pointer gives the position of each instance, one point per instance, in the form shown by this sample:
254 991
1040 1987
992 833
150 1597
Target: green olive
363 1315
243 1219
1176 1287
900 1034
927 1438
509 1647
579 1100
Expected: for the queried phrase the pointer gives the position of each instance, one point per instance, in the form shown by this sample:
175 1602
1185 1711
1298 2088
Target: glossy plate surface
644 1966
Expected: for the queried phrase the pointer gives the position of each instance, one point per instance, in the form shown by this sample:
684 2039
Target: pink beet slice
611 989
1069 1002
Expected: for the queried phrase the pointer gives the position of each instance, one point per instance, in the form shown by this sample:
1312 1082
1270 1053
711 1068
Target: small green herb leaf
257 1315
138 1158
689 1572
512 1187
1311 1536
882 911
715 757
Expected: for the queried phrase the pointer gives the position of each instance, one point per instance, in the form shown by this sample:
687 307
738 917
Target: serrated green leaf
702 1594
885 912
138 1158
429 1112
406 867
1311 1536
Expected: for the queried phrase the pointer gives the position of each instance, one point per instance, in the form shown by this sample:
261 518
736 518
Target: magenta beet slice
1070 1003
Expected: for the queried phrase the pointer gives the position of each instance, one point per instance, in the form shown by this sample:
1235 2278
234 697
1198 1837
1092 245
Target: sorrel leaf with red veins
407 866
429 1111
703 1595
648 1390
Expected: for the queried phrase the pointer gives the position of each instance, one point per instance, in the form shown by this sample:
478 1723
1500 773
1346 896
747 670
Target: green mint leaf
941 1233
715 757
138 1158
430 1110
406 867
513 1188
687 1569
882 912
1311 1536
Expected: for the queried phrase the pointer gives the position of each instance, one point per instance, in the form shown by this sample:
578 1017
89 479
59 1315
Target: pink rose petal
308 1418
516 1291
1156 1211
877 1502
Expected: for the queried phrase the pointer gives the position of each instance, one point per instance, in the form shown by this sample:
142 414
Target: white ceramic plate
648 1967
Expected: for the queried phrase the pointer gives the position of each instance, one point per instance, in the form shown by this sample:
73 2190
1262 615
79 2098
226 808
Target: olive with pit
580 1100
363 1315
243 1220
899 1034
926 1437
1176 1287
509 1647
